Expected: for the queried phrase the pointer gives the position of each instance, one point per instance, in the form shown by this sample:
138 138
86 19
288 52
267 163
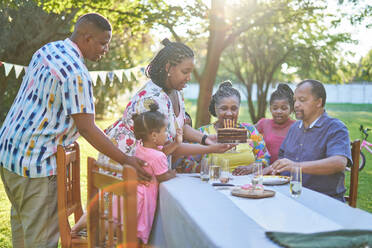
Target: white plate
275 180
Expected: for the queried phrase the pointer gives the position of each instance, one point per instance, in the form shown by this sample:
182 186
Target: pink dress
273 134
147 195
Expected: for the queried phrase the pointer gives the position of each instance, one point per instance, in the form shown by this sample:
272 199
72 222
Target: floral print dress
121 132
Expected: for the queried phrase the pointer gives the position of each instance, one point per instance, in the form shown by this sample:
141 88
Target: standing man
53 106
317 143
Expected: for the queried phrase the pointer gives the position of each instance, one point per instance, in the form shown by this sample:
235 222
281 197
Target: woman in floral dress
169 72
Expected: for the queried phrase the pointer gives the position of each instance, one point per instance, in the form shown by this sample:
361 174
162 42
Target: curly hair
148 122
173 53
224 90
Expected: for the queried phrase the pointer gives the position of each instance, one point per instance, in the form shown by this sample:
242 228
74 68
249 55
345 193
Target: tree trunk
215 47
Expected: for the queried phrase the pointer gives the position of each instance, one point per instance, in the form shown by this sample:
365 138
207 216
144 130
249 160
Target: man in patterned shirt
53 106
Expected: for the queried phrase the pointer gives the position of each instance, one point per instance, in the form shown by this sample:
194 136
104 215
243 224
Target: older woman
169 72
225 105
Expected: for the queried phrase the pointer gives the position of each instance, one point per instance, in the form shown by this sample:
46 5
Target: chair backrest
105 229
68 185
354 173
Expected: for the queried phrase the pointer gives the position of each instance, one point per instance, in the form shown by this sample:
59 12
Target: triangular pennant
127 74
18 69
94 75
8 68
119 74
110 76
102 76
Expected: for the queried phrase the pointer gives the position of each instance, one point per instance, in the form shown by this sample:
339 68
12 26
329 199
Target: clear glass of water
204 169
257 174
214 171
295 185
225 171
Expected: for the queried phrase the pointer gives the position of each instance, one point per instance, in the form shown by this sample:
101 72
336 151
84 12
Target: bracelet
203 139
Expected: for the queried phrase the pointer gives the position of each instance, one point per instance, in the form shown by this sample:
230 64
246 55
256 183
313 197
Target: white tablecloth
192 213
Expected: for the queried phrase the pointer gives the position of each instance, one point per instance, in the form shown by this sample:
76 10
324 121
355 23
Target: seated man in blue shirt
317 143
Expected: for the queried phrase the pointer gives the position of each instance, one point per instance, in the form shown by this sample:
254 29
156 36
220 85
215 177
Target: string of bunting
103 75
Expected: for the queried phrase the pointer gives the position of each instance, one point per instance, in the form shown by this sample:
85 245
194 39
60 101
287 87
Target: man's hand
137 164
283 164
267 170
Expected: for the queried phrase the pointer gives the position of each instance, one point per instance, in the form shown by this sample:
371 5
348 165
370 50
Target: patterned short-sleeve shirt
56 85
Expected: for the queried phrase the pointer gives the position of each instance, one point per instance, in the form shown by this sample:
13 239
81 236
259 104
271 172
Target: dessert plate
252 194
275 180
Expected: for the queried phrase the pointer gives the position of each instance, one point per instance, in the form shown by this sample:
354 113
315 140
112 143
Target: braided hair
224 90
283 92
148 122
173 53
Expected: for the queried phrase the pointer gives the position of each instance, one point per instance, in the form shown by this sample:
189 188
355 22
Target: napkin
339 239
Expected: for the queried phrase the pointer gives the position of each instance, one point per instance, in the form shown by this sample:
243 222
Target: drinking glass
204 169
225 171
295 185
257 174
214 170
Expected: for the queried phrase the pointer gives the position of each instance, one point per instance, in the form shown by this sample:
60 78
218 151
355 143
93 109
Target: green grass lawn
351 114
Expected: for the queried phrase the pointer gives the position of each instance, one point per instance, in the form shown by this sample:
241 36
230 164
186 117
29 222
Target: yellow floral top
245 153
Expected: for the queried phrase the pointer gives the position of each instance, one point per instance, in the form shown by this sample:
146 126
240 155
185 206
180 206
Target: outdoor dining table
192 213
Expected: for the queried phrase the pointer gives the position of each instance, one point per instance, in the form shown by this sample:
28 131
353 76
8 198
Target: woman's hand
242 170
179 135
212 139
220 148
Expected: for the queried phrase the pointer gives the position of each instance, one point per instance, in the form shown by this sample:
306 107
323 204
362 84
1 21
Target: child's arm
166 176
171 147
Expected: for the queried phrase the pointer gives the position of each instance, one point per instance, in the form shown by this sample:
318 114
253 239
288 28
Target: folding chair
103 229
354 173
68 192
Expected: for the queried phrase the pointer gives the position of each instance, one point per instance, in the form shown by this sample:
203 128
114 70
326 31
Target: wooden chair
103 229
354 173
68 192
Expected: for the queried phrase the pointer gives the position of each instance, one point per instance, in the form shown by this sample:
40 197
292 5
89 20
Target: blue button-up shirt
325 138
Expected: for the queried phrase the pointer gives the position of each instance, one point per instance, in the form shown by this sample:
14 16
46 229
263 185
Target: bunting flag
102 75
8 67
94 75
119 74
127 74
110 76
18 69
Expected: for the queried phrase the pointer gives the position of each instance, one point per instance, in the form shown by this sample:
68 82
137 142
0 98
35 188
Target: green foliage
128 49
27 25
24 28
294 34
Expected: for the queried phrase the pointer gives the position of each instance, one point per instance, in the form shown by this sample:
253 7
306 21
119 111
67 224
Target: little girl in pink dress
150 130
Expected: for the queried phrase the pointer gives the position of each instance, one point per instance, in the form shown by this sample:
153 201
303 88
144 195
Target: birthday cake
232 135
